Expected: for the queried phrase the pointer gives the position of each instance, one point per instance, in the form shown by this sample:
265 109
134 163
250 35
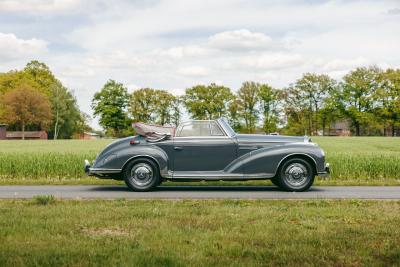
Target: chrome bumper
326 172
87 167
99 172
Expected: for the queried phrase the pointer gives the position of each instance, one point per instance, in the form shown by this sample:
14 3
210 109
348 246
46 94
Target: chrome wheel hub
296 174
142 174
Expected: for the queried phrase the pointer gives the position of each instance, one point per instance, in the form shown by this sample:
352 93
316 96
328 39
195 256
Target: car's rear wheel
296 175
141 175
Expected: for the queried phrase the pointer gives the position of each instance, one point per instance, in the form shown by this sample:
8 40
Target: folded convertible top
153 133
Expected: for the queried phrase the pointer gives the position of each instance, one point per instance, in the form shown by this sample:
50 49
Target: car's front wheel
296 175
141 175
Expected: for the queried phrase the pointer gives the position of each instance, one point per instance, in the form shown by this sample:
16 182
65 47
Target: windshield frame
223 122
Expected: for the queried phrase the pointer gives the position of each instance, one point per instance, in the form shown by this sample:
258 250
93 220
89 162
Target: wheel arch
303 156
148 157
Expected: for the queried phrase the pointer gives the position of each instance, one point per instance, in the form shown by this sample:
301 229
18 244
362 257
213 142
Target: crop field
354 161
199 233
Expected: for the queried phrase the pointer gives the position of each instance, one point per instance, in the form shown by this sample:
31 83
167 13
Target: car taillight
134 141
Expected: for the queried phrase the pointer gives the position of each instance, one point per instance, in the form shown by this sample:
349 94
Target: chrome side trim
102 170
220 176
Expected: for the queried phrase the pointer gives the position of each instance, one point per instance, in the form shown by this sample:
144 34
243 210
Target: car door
202 146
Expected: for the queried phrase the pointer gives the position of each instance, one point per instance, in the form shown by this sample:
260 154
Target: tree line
367 98
34 99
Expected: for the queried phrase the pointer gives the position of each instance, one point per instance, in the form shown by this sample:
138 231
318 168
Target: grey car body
220 154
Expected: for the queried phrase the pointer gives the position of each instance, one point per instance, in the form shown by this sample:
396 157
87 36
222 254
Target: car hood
259 138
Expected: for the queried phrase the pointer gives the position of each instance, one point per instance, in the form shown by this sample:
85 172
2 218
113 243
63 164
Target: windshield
224 123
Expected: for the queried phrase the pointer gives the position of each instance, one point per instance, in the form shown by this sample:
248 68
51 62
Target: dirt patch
105 232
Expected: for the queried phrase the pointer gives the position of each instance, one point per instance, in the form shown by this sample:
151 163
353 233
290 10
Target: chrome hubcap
296 174
142 174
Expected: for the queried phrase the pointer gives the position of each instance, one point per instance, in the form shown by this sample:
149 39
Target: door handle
178 148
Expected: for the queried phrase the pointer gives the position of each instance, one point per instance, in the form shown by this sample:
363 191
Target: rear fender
116 157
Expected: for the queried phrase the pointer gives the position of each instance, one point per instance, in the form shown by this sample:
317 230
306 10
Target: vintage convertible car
208 150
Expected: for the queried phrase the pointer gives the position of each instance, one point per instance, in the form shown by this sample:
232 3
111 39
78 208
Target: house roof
18 134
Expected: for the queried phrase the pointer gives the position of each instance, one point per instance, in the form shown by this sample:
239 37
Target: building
29 135
89 136
17 135
340 128
3 131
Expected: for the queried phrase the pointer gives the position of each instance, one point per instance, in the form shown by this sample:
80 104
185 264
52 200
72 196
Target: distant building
29 135
89 136
3 131
340 128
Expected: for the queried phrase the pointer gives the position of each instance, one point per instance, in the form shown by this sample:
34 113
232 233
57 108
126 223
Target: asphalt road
201 192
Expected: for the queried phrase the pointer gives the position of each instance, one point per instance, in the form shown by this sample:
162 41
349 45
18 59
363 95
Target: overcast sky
175 44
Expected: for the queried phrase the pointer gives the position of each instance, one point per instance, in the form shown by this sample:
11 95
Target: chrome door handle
178 148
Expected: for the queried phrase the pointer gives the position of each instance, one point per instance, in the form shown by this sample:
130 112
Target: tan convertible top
153 132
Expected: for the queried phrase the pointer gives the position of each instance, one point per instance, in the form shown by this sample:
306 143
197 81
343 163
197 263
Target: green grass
362 160
354 161
200 233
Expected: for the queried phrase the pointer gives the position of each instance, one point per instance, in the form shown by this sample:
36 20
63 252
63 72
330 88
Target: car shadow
250 188
224 188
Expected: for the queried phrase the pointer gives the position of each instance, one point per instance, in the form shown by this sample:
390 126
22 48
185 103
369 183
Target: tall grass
362 158
60 160
359 159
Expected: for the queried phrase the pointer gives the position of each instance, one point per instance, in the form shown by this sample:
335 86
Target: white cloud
120 59
344 64
393 11
183 51
266 61
174 44
38 5
12 47
240 40
75 72
193 71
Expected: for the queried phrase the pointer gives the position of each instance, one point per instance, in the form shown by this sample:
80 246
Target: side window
195 129
215 130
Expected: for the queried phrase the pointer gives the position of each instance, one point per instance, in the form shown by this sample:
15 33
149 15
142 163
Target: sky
176 44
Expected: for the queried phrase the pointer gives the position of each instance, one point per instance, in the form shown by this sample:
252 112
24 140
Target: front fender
264 162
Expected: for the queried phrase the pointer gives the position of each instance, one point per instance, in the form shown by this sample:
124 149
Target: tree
41 75
248 98
207 102
164 107
295 112
25 106
269 104
142 105
235 111
329 112
154 106
356 96
387 98
176 111
37 75
110 105
314 89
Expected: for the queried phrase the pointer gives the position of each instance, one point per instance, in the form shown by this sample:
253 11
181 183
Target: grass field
199 233
354 160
